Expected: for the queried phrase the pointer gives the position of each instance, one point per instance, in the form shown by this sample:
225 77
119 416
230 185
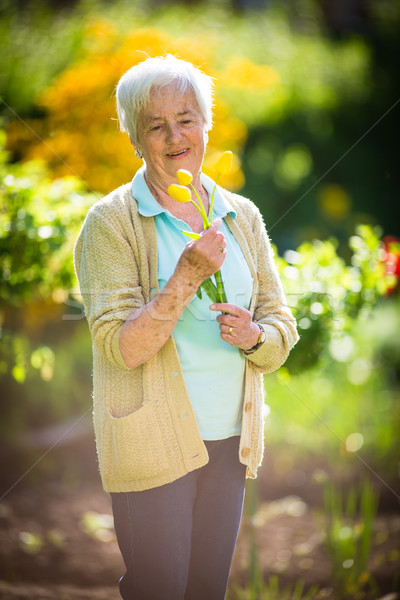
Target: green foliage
308 66
306 61
326 295
39 220
26 64
347 404
349 535
271 590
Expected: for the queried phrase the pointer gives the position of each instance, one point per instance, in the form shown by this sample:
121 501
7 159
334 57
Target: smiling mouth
179 153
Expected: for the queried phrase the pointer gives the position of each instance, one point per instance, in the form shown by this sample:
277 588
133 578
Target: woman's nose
173 133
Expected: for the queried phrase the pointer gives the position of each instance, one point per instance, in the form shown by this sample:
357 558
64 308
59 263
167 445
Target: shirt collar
149 207
147 204
221 206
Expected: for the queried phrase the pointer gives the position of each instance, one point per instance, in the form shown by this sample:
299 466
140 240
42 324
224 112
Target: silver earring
138 153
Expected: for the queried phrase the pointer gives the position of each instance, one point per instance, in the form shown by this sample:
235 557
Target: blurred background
308 99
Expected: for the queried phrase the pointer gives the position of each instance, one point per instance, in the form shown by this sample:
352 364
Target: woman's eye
156 128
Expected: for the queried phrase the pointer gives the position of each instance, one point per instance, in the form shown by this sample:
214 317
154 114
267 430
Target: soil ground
57 540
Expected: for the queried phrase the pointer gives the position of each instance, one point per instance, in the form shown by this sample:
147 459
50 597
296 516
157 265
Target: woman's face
171 135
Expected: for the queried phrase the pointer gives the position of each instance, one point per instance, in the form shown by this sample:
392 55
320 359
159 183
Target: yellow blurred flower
244 74
100 29
179 193
334 201
184 177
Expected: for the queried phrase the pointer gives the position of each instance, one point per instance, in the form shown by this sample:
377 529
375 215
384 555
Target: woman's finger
225 307
227 320
235 323
212 230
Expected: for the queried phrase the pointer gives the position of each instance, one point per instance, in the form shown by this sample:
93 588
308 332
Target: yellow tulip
224 163
184 177
179 193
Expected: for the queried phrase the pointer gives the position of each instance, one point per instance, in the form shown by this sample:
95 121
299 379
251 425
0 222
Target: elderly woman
178 383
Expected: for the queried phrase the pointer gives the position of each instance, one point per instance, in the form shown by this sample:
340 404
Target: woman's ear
138 152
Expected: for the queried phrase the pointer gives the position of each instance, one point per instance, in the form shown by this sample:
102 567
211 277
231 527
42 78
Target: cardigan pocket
138 450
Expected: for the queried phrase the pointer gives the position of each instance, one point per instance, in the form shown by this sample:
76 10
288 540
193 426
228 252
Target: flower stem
220 287
207 285
210 289
200 208
212 199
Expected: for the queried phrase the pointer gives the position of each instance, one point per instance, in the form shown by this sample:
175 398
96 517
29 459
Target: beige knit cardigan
146 431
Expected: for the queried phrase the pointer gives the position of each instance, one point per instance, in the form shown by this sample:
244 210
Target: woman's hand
202 258
154 322
236 325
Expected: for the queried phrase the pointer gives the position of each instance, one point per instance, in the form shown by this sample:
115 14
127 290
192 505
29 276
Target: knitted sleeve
271 308
109 280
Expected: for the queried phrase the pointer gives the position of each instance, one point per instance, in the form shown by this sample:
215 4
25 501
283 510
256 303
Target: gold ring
221 249
230 331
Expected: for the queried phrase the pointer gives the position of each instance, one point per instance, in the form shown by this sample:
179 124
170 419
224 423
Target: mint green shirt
213 370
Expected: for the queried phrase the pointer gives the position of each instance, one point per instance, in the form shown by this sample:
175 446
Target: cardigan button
245 452
248 406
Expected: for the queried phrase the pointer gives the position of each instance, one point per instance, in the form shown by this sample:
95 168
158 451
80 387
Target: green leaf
210 289
191 234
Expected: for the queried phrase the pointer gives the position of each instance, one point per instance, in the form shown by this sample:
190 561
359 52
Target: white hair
134 87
